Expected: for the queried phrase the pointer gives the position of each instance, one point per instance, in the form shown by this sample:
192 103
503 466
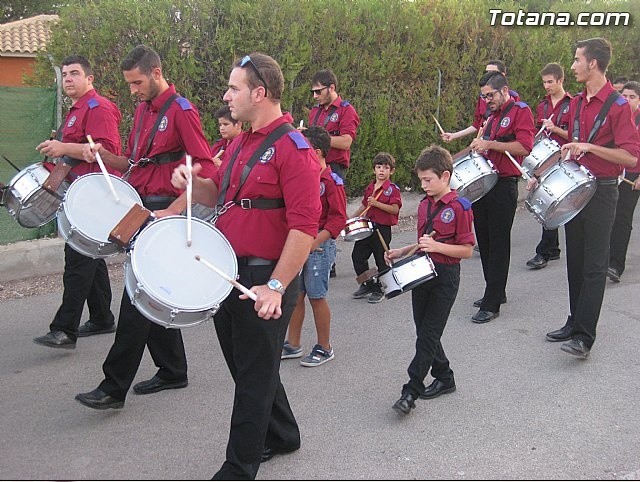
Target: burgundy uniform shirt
342 119
218 146
334 203
481 113
453 224
617 130
560 115
636 122
516 124
288 170
390 195
179 130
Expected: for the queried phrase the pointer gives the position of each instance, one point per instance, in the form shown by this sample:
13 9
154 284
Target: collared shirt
179 130
617 130
334 203
452 223
636 122
482 111
390 195
343 119
560 115
220 144
515 125
288 170
98 117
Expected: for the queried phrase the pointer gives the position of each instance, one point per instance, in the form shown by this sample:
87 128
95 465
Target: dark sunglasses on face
318 91
489 95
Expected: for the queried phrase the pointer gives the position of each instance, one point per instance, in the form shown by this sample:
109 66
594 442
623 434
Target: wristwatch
275 285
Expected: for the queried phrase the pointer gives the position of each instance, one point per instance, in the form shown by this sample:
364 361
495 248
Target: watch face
275 285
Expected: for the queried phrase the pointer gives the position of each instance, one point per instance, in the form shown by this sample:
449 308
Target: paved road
523 408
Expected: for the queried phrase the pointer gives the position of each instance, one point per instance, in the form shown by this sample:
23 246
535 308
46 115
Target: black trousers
431 303
252 347
492 219
623 223
549 246
587 247
133 333
364 248
84 279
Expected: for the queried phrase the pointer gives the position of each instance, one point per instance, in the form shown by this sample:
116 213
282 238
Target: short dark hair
224 113
553 69
632 85
269 70
495 80
596 48
500 64
78 59
384 158
143 58
620 80
435 158
325 77
319 138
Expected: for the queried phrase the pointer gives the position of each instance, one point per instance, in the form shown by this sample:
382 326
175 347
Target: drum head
167 269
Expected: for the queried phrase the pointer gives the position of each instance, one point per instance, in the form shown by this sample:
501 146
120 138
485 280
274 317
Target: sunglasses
489 95
318 91
247 60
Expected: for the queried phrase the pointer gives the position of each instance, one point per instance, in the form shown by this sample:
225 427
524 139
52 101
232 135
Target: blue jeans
315 273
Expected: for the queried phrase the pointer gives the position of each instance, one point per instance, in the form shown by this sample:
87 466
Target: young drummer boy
314 279
382 203
445 232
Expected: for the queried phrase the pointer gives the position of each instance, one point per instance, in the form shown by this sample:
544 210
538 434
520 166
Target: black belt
260 203
158 200
607 181
160 159
255 261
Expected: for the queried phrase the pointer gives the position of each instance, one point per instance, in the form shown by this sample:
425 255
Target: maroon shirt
509 124
481 113
617 130
182 131
636 122
560 115
220 144
334 203
98 117
339 118
390 195
288 170
453 224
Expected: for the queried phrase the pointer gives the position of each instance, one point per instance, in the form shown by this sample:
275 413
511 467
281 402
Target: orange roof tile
26 36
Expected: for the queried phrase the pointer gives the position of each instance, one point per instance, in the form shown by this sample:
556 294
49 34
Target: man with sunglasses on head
267 195
509 128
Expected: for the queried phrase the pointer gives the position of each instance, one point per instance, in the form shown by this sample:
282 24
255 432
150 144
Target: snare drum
89 212
27 201
543 150
357 228
563 191
473 176
164 280
406 274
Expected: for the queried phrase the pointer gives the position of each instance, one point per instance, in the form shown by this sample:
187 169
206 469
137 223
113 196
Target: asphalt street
523 409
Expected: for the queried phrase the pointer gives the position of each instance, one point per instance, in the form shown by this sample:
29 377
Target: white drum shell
89 213
27 201
544 149
406 274
473 176
164 280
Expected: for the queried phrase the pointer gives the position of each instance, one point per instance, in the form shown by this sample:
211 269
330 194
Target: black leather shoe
56 339
537 262
576 348
268 453
483 316
563 334
553 257
437 388
404 405
478 303
613 274
91 328
99 400
157 384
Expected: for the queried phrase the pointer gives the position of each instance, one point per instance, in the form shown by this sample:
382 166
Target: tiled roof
26 36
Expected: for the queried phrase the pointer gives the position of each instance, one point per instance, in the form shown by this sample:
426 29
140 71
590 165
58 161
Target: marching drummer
382 203
552 114
445 231
604 151
509 128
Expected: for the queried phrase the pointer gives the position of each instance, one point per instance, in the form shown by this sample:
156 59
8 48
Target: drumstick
438 124
382 241
543 127
103 169
518 166
627 181
301 123
414 247
189 198
369 206
222 274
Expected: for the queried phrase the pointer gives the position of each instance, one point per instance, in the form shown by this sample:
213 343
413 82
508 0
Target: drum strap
563 106
602 115
163 110
428 227
488 132
332 109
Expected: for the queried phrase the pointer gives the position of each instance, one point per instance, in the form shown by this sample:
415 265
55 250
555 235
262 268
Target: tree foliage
19 9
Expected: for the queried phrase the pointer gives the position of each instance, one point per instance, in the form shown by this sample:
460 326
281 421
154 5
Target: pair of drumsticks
414 247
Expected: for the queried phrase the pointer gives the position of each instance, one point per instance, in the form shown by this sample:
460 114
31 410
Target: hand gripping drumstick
543 127
104 170
369 206
189 198
518 166
416 246
224 275
438 124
